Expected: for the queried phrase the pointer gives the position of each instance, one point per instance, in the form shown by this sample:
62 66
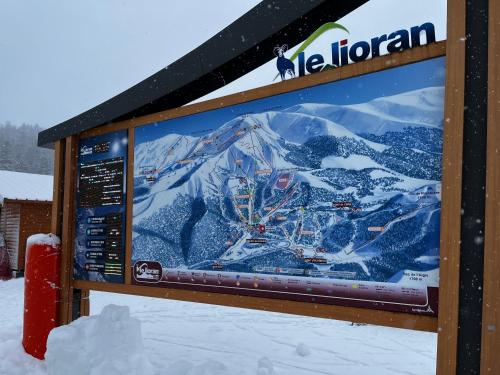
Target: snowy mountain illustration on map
339 191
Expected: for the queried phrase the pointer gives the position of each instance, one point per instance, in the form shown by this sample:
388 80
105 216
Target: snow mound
210 367
44 239
25 186
13 358
106 344
303 350
265 367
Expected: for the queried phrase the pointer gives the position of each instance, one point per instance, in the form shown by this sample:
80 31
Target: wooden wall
35 218
10 227
24 218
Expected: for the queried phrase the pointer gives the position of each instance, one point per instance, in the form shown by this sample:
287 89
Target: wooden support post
462 246
67 240
129 207
57 195
85 302
490 338
57 226
473 188
451 190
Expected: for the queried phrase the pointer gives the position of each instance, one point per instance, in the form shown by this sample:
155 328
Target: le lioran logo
342 53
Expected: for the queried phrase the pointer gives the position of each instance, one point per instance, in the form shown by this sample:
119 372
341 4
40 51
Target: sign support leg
69 297
490 338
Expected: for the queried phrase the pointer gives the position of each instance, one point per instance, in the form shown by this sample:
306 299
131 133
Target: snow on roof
25 186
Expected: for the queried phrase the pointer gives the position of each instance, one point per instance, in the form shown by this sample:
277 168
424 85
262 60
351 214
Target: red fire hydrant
41 291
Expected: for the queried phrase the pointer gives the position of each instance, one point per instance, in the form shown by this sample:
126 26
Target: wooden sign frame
379 317
74 294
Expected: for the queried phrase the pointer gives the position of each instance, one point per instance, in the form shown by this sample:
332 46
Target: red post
41 291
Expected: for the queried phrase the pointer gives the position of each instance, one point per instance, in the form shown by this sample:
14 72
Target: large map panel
329 194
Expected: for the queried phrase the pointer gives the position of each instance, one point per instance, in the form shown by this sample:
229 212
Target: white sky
59 58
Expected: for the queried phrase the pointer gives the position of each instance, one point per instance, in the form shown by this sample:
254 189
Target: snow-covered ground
194 339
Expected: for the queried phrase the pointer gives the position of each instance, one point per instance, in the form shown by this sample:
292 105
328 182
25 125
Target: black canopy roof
220 60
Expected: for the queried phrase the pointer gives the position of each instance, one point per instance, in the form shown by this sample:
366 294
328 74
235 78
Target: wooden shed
25 209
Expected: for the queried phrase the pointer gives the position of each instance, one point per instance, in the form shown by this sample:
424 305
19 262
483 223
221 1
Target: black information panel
101 183
100 221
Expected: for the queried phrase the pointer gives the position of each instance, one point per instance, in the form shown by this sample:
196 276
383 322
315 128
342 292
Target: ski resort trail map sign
328 194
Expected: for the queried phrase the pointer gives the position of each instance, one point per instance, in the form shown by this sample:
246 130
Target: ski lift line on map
284 201
253 146
239 166
258 137
197 150
171 148
261 148
190 154
238 206
285 231
193 149
160 169
231 138
228 130
298 230
318 230
294 188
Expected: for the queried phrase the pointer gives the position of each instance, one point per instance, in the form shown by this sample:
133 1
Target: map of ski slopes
331 192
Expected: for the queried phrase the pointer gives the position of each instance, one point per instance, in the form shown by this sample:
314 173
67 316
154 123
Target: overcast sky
59 58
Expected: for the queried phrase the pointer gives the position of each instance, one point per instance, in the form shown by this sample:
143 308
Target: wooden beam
27 202
370 316
57 194
451 190
85 303
67 240
129 206
490 338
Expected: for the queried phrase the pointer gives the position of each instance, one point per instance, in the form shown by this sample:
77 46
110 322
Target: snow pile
105 344
25 186
13 359
44 239
182 338
303 350
265 367
209 367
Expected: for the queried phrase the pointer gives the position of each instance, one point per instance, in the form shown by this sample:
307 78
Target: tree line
19 151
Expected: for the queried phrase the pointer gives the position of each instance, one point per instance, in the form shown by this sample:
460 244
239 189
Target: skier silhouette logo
285 66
